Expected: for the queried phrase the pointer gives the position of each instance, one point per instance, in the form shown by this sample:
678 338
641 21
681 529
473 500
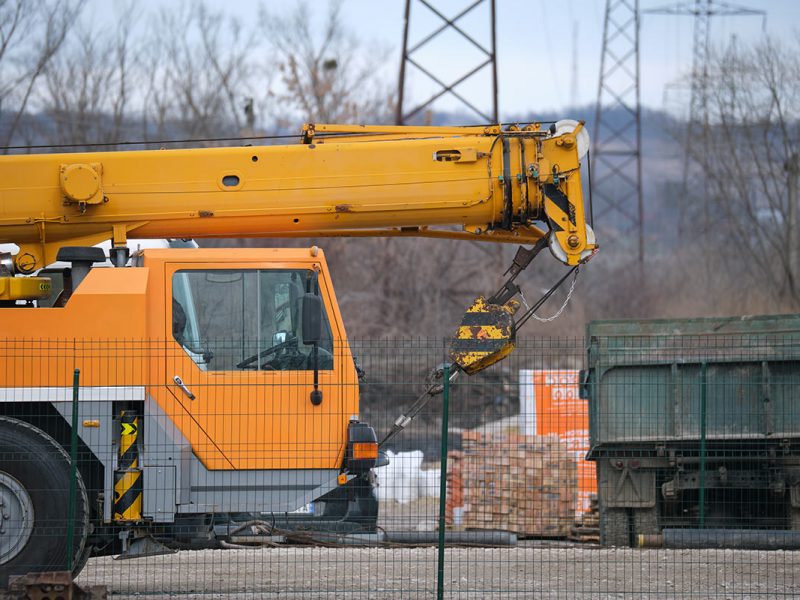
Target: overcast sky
535 41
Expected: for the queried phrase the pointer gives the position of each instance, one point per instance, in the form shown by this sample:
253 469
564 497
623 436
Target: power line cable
224 139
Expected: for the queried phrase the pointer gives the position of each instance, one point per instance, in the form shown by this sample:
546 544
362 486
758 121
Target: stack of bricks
455 486
523 484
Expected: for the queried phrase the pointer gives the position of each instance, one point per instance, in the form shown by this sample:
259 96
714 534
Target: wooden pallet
587 525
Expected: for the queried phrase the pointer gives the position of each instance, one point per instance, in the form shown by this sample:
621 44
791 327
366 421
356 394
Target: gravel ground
538 570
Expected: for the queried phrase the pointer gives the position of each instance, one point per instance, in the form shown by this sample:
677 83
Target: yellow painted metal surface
377 180
81 183
24 288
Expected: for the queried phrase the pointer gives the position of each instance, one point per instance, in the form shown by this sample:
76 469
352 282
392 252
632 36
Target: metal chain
563 306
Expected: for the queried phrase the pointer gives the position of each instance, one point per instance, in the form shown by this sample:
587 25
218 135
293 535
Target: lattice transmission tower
697 124
702 11
616 161
413 58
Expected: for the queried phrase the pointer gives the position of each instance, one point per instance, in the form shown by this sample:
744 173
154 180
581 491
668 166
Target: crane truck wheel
34 498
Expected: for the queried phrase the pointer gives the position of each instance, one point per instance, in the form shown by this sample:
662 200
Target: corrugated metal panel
644 379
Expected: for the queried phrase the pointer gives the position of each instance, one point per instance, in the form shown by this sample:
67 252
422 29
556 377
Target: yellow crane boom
515 185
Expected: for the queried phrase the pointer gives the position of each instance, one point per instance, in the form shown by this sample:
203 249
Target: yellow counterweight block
128 476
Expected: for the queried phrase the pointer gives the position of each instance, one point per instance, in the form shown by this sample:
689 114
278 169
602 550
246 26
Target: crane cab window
239 320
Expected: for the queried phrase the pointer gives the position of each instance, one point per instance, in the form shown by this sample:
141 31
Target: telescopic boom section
478 183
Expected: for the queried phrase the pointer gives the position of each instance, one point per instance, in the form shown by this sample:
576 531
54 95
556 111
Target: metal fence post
703 396
443 481
73 478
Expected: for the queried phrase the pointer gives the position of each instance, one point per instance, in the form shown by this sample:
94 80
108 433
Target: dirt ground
542 570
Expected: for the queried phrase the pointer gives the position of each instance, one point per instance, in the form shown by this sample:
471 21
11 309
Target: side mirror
312 319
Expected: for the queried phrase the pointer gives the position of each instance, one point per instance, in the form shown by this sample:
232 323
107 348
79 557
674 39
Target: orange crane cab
217 386
204 355
209 320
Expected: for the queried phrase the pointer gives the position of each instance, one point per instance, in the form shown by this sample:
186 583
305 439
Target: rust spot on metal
344 208
478 332
485 336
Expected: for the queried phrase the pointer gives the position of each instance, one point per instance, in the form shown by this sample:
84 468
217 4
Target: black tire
38 464
615 527
81 561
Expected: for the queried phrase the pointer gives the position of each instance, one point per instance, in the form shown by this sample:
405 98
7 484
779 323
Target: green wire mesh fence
657 460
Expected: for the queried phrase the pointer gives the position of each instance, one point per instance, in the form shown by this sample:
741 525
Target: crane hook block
487 335
81 183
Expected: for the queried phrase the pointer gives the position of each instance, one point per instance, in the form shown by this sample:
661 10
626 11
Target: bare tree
750 165
31 34
198 82
326 74
87 92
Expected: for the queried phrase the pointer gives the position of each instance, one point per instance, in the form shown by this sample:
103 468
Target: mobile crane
218 384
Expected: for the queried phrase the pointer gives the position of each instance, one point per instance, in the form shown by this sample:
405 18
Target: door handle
179 382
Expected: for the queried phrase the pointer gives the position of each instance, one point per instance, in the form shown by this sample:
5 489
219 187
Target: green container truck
694 424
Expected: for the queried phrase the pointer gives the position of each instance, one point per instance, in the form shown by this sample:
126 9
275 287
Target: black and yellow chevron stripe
128 476
485 336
